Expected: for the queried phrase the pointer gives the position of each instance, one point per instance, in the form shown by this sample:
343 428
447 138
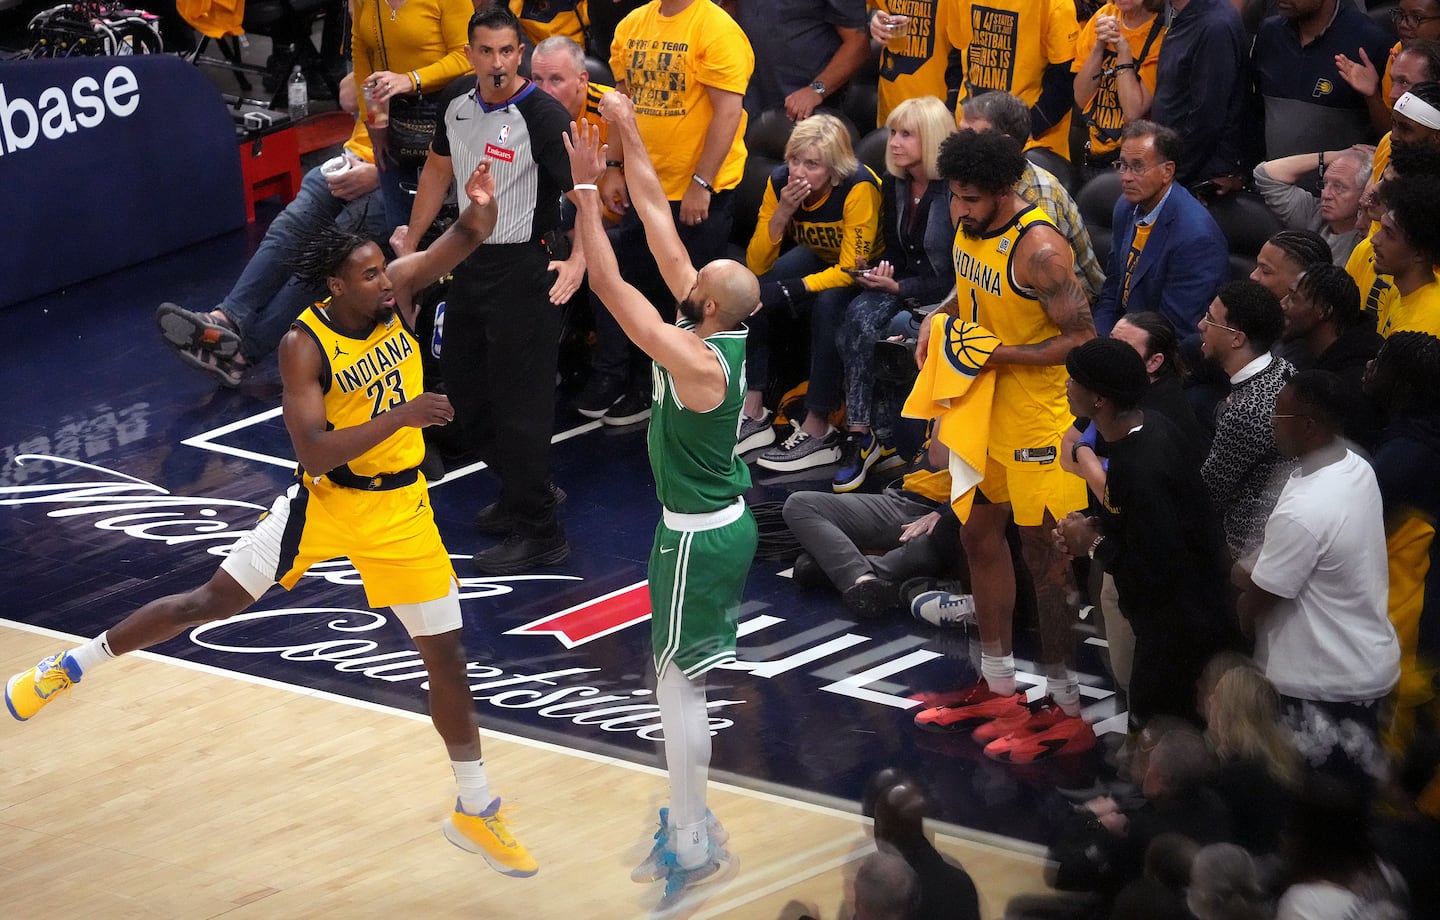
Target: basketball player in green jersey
706 540
1014 275
354 406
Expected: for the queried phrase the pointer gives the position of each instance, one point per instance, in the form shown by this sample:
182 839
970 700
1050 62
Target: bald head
886 888
732 287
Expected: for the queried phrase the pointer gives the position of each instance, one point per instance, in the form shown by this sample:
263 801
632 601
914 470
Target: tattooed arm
1045 265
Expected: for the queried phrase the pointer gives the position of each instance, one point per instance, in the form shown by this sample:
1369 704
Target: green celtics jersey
693 453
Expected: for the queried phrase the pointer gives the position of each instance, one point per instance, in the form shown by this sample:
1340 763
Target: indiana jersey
363 377
1030 411
693 452
542 19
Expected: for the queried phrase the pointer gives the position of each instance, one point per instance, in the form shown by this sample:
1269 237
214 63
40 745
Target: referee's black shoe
520 552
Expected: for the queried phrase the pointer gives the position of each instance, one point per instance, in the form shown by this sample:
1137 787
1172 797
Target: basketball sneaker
653 868
719 866
858 452
27 692
977 706
488 835
1047 732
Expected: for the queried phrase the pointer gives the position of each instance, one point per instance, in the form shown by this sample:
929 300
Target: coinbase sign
106 162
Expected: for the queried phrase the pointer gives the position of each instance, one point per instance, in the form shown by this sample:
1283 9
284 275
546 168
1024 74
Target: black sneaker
519 553
808 574
629 409
598 395
493 522
871 598
858 452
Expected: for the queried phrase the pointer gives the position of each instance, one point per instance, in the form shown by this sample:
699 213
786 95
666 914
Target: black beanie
1109 368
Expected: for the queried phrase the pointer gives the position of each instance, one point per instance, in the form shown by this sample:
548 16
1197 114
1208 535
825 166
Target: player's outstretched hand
480 187
587 157
427 409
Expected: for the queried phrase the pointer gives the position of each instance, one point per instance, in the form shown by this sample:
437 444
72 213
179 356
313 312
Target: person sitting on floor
249 322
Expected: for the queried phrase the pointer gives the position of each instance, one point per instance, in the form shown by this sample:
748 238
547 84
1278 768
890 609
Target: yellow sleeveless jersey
362 378
1030 411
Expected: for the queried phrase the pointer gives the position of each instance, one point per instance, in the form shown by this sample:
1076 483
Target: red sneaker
1048 732
976 706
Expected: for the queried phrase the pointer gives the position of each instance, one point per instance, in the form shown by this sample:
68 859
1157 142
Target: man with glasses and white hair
1168 254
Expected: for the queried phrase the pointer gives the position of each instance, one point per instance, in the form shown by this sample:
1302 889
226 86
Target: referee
502 322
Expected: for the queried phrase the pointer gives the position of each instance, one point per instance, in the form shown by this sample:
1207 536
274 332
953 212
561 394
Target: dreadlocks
1410 363
327 249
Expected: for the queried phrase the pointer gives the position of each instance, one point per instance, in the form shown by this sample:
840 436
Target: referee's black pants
498 357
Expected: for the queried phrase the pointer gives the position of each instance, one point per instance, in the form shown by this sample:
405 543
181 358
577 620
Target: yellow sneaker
488 835
27 692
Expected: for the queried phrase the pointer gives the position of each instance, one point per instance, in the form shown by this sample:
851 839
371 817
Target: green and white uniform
706 538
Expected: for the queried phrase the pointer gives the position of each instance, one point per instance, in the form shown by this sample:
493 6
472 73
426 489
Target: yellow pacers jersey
365 377
1418 311
542 19
1007 46
913 64
1377 294
1030 412
840 228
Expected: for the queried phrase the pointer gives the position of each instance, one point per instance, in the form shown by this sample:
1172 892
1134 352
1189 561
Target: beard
969 232
692 311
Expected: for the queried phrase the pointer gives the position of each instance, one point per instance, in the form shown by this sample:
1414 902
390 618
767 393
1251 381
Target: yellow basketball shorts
1031 492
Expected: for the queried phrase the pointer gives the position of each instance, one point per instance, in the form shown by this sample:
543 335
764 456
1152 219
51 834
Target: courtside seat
1247 223
871 150
1054 164
1096 202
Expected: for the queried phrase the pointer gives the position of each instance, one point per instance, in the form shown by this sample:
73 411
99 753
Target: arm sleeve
458 87
862 217
761 253
1057 97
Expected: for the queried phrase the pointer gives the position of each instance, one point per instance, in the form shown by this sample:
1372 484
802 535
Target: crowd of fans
1258 430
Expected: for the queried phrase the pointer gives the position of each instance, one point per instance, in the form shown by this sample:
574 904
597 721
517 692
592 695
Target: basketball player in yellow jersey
1015 276
354 405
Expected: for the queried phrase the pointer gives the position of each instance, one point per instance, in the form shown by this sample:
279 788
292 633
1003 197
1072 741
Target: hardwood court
165 789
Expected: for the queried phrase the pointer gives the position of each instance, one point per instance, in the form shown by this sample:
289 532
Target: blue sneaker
944 608
719 866
653 868
859 450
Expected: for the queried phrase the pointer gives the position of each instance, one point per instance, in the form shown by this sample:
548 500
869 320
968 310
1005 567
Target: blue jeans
397 187
266 298
825 309
863 322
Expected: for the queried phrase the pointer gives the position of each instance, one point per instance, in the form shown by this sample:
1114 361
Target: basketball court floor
280 764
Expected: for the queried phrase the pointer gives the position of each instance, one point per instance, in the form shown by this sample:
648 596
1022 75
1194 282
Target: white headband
1418 111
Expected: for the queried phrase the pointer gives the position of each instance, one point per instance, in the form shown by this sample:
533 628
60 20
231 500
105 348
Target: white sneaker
801 451
756 433
942 608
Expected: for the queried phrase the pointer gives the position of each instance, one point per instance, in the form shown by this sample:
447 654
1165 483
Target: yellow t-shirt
1419 311
666 63
1030 409
1407 545
1377 294
542 19
840 228
1103 112
1008 44
426 36
914 64
1382 157
1137 246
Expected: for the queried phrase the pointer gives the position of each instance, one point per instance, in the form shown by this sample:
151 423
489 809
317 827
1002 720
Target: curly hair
991 162
323 255
1408 367
1414 201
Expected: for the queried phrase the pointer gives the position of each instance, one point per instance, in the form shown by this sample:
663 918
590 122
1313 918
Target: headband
1418 111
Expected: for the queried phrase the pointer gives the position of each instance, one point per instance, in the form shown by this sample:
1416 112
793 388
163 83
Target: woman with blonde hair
917 232
825 205
1260 767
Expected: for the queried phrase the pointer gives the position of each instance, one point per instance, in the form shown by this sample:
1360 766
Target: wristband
702 183
585 186
415 78
1320 160
615 164
1075 450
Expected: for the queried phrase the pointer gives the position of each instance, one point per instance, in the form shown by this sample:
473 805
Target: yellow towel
215 18
952 389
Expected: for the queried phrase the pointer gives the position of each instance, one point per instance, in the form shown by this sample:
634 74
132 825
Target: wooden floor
161 790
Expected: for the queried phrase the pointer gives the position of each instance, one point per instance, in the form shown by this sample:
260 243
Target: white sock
999 672
92 654
473 787
687 757
1063 687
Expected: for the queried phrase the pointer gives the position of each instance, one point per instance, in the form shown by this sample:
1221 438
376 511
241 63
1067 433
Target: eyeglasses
1210 322
1409 19
1138 169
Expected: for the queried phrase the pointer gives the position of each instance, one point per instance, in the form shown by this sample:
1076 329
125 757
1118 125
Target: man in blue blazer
1168 254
